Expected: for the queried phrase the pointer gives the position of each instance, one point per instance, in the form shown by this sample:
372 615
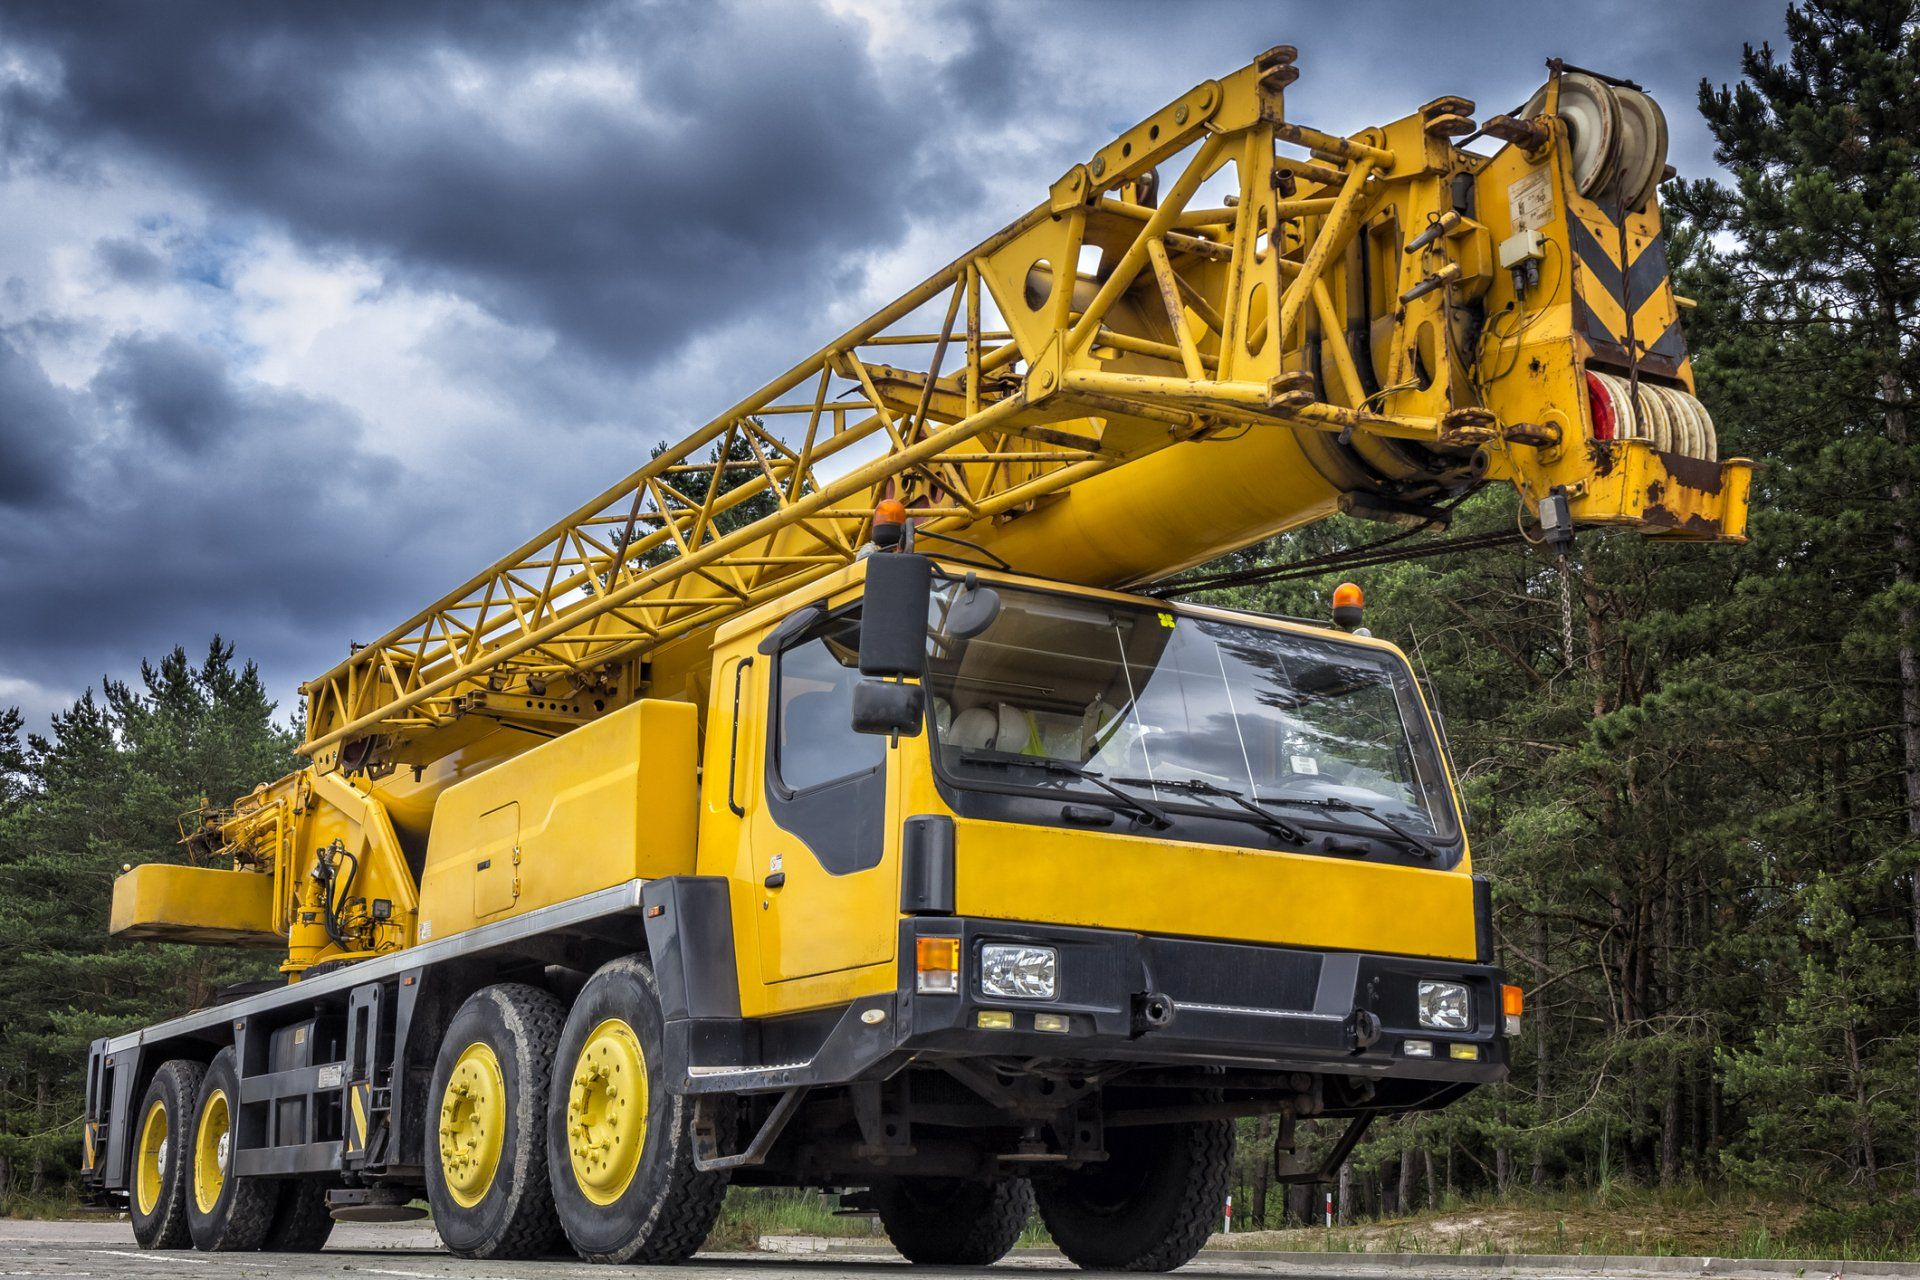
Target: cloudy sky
309 310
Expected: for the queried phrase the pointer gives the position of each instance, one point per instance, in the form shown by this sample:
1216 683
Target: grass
753 1212
51 1207
1620 1219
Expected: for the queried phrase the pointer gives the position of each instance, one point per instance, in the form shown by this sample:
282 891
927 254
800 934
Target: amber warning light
1348 603
889 522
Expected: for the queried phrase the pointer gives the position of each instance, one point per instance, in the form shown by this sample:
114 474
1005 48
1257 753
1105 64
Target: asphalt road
105 1248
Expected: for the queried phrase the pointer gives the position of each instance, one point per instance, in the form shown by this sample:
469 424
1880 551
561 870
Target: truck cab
1058 864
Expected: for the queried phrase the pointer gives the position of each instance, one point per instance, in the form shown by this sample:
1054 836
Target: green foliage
106 788
1888 1228
1694 773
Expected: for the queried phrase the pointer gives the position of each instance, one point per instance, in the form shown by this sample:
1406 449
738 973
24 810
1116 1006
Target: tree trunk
1262 1172
1403 1202
38 1185
1670 1102
1863 1127
1433 1193
1541 1057
1343 1206
1892 392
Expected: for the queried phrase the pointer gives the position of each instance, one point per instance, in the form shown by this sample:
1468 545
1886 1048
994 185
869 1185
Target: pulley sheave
1617 136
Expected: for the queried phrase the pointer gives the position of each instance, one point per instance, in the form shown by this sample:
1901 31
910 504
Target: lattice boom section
1122 317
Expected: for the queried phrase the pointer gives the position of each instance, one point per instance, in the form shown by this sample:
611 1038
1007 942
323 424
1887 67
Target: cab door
819 826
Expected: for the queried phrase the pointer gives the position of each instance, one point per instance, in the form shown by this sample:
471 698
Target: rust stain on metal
1694 473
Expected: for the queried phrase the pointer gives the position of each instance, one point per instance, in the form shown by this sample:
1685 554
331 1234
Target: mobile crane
827 804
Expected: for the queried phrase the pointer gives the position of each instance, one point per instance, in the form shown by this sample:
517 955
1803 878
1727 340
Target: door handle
733 746
775 880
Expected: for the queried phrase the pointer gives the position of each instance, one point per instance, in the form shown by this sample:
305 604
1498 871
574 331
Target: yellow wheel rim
150 1165
473 1125
607 1111
212 1146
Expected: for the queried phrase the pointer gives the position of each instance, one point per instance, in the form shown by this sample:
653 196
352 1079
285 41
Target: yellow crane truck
833 802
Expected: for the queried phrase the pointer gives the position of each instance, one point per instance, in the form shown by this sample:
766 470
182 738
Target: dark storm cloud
38 431
761 137
283 541
172 391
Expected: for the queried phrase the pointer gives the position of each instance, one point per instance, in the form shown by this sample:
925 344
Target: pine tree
1827 209
105 789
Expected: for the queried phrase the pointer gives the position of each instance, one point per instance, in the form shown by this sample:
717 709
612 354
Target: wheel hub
150 1170
473 1124
607 1111
212 1139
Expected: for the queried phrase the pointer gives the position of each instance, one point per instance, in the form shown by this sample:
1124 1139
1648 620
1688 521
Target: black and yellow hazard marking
1625 310
360 1099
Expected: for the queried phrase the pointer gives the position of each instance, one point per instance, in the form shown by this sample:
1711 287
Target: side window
826 784
816 744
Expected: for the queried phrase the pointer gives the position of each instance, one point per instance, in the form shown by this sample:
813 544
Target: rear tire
485 1141
226 1213
619 1142
301 1223
157 1188
1150 1205
951 1222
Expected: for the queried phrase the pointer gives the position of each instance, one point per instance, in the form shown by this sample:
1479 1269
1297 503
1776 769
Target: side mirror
893 615
881 706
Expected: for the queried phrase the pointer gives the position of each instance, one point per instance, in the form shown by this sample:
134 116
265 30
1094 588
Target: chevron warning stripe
1606 295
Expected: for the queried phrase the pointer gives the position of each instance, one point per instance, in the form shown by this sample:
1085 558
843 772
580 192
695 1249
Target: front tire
157 1185
951 1222
1150 1205
225 1212
619 1142
486 1161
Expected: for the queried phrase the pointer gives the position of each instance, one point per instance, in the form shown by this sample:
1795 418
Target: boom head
1221 325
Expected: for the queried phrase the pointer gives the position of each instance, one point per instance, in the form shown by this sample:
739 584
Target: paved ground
105 1248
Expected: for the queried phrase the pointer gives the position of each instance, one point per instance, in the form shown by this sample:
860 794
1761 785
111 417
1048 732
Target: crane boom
1329 328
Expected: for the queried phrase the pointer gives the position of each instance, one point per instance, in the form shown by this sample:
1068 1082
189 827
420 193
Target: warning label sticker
1530 201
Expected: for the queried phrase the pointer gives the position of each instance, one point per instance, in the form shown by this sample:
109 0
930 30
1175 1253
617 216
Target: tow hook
1151 1012
1363 1029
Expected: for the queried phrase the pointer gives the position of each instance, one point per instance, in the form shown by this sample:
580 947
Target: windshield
1184 711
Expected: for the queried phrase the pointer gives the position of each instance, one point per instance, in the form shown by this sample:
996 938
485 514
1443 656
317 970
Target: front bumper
1228 1005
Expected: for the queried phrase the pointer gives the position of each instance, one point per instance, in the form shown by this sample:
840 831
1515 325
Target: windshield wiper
1417 843
1201 787
1061 769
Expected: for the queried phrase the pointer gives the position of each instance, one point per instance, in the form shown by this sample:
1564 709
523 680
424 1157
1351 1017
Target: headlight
1444 1007
1012 972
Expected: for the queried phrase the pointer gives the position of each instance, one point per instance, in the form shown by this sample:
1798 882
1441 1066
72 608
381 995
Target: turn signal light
1513 1002
936 963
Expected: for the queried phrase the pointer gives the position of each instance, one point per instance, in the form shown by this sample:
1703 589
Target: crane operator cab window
826 783
1230 732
